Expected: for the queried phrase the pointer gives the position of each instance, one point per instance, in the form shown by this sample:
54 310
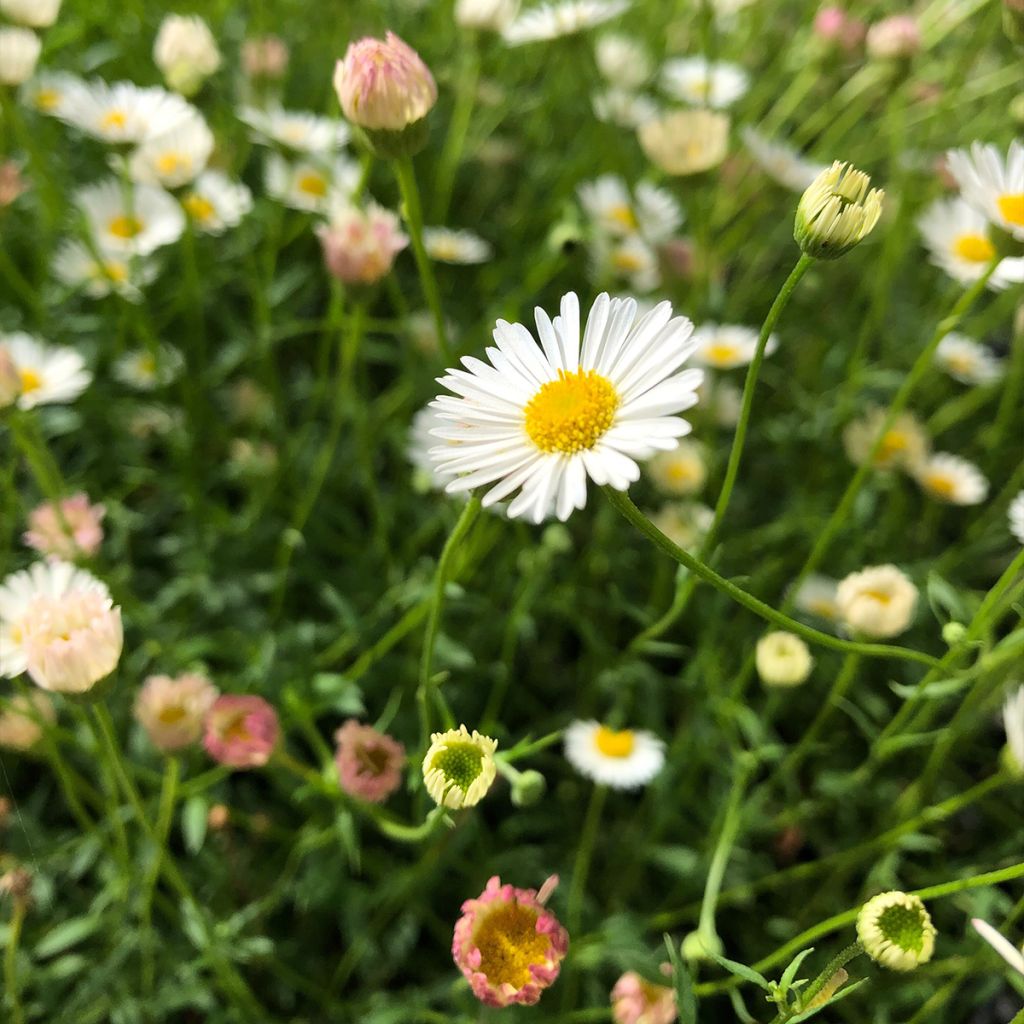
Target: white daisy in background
139 223
297 130
214 202
1015 515
421 442
48 92
683 470
309 185
1004 947
624 108
630 260
726 346
817 596
651 211
622 60
958 238
446 245
879 601
49 374
19 53
722 399
904 446
147 370
552 21
702 84
685 523
967 361
781 162
782 659
1013 723
123 112
686 141
540 419
100 273
485 15
34 13
621 759
952 480
992 185
174 158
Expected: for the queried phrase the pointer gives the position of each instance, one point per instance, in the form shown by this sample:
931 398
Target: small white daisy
552 21
1003 946
621 759
49 374
904 446
701 84
215 203
622 60
624 108
174 158
123 112
19 53
137 223
49 92
34 13
1013 723
952 480
100 273
680 471
652 212
631 260
1015 515
967 361
992 185
421 442
309 185
542 418
446 245
726 346
145 370
781 162
958 239
878 602
685 523
297 130
817 596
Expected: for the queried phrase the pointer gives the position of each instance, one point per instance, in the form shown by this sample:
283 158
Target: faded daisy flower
98 274
447 245
1013 723
147 370
817 596
360 246
34 13
680 471
703 83
69 531
265 57
685 523
780 161
508 945
1006 949
619 758
241 731
555 20
967 361
23 719
783 659
622 60
635 1000
459 767
19 52
369 762
172 711
486 15
185 52
685 141
12 183
834 25
877 602
952 480
1015 515
904 446
896 931
838 210
296 130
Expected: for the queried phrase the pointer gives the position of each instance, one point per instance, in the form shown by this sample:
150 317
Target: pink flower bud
265 57
834 25
360 247
241 731
638 1001
894 38
369 762
172 711
12 184
72 532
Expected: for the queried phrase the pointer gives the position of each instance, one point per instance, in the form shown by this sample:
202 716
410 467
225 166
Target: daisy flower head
447 245
174 158
816 596
895 38
650 211
34 13
543 418
635 1000
726 346
214 202
624 108
685 142
904 446
185 52
783 659
100 273
369 762
1006 949
58 624
137 225
459 767
952 480
837 210
1015 515
19 53
685 523
145 370
683 470
360 246
555 20
992 184
172 711
508 945
959 242
1013 723
24 718
703 83
877 602
73 529
967 361
780 162
122 112
630 260
485 15
896 931
48 92
48 374
621 759
297 130
622 60
310 184
241 731
421 442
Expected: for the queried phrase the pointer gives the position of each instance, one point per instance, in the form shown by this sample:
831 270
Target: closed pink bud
69 531
638 1001
360 246
834 25
894 38
241 731
369 762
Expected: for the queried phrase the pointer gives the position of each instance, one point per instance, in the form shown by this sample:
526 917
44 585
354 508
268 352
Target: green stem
458 127
1013 389
840 960
584 855
11 960
36 454
168 794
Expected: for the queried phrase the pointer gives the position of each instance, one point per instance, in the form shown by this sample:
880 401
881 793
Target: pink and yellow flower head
638 1001
508 945
172 711
24 718
369 762
241 731
360 246
72 532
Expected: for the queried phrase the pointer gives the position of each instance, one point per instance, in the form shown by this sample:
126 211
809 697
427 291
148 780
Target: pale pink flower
384 85
360 246
172 711
265 57
508 945
73 532
369 762
22 721
12 184
638 1001
895 37
10 379
241 731
834 25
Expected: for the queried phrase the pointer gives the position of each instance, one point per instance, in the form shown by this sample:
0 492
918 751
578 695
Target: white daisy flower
298 130
185 52
651 211
554 20
622 759
123 112
1013 723
542 418
139 223
685 523
967 361
686 141
34 13
624 108
100 273
781 162
952 480
622 60
702 84
48 92
904 446
1004 947
958 239
446 245
817 596
726 346
485 15
421 442
309 185
1015 514
992 185
628 259
680 471
782 659
215 203
877 602
49 374
145 370
19 53
174 158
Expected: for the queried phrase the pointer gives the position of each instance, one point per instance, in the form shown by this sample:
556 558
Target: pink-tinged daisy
508 945
172 711
635 1000
69 530
542 418
369 762
241 731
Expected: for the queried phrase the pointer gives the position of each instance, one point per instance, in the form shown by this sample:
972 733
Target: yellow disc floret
1011 206
614 744
974 248
509 943
572 413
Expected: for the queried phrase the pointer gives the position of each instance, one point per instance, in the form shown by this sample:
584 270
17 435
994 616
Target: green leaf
790 972
741 971
66 935
193 823
686 1000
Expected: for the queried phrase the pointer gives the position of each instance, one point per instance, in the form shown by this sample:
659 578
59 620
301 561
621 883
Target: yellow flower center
721 353
116 272
623 215
445 249
626 262
679 472
1011 206
822 607
974 248
571 414
47 99
894 442
614 744
509 943
171 715
169 163
881 596
198 208
940 484
30 380
236 729
124 227
114 119
313 184
961 362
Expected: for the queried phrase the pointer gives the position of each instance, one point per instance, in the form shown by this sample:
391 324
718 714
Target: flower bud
185 52
698 946
833 25
459 767
34 13
19 52
369 762
895 38
685 141
71 529
896 931
265 57
360 246
635 1000
528 788
953 633
836 212
783 659
241 731
172 711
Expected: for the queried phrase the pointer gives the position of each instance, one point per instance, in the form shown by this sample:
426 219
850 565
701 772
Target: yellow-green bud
836 212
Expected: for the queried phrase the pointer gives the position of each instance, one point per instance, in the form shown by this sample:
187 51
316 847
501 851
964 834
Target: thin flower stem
840 960
622 502
1013 389
458 127
36 454
11 985
168 794
414 218
584 855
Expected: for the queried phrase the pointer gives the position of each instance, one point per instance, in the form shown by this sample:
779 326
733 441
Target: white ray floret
551 21
49 374
700 83
136 222
297 130
991 184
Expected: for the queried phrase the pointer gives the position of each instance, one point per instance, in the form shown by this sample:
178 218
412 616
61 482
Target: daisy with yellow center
817 596
542 418
968 361
122 112
461 247
878 602
215 202
701 83
97 275
137 225
620 758
680 471
309 184
174 158
649 211
296 129
904 445
48 91
554 20
48 374
994 186
459 767
726 346
629 259
147 369
952 480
